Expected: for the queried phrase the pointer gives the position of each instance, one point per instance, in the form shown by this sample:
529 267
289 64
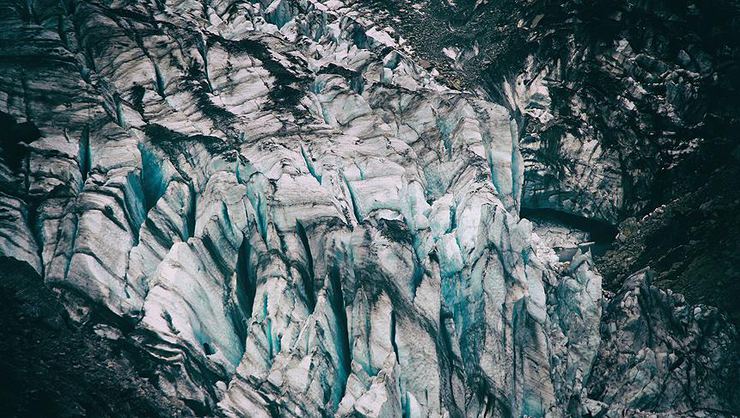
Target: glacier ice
298 220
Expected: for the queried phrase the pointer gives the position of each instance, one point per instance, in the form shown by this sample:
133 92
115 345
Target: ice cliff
288 215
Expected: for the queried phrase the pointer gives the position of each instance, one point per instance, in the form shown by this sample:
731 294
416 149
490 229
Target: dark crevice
394 344
309 165
202 48
448 364
359 37
159 82
137 98
309 280
600 231
261 212
14 140
191 214
453 218
85 157
353 200
336 297
418 276
246 288
268 328
208 349
118 105
152 178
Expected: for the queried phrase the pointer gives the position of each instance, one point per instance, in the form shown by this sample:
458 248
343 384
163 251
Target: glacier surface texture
275 208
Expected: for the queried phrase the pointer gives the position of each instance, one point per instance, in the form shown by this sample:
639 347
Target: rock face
657 351
287 215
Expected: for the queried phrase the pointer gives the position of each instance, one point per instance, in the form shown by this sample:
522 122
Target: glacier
293 217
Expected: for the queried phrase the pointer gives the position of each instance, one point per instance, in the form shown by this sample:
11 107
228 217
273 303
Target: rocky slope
279 208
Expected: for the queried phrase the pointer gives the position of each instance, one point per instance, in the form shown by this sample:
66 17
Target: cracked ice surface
296 218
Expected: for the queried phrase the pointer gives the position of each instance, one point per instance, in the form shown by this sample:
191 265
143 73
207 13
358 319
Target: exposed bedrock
293 218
